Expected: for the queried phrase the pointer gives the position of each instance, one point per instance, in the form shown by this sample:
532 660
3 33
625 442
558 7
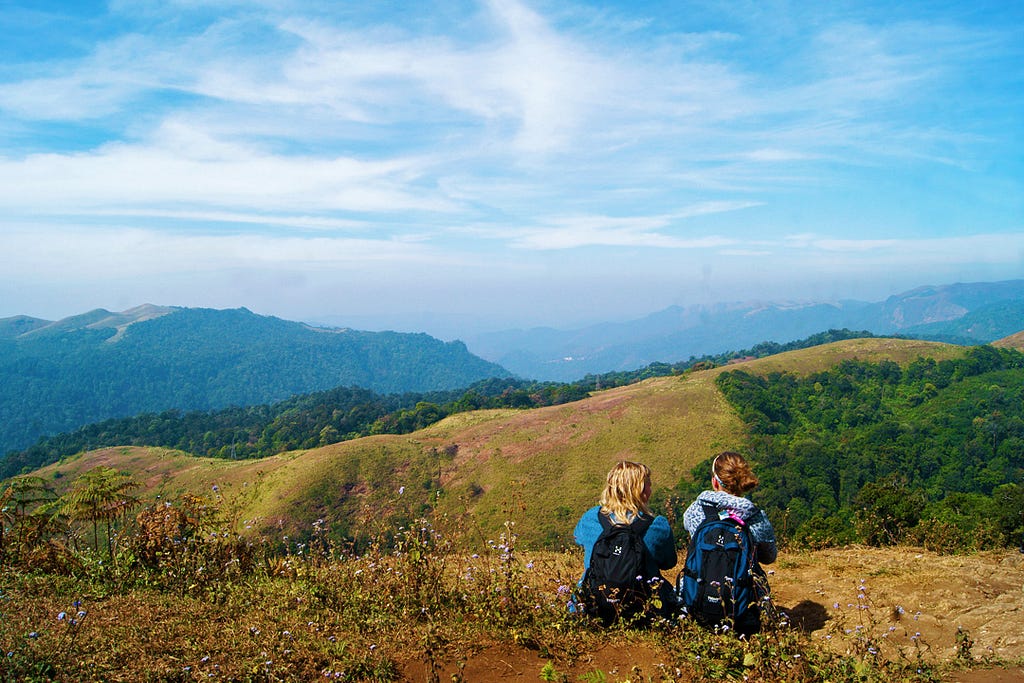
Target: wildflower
835 605
529 565
61 616
401 490
76 604
900 610
81 613
33 634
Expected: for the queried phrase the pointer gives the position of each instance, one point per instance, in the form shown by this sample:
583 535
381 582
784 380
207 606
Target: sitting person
702 594
624 522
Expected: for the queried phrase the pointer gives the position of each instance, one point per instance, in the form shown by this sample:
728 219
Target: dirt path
915 591
904 599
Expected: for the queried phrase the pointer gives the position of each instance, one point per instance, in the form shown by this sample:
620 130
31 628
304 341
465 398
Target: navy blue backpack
717 582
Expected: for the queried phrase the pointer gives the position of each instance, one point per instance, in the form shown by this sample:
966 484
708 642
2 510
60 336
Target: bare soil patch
827 592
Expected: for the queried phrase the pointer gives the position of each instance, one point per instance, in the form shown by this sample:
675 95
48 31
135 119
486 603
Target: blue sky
459 166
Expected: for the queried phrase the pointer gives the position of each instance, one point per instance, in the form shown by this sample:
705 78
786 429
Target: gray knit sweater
760 528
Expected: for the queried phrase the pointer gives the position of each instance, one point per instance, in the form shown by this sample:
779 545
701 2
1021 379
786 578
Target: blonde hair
623 494
733 473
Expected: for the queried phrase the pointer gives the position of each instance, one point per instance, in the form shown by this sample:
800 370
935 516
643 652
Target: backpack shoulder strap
710 511
640 524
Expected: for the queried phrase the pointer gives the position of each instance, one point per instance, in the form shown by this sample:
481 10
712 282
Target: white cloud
115 253
515 132
185 168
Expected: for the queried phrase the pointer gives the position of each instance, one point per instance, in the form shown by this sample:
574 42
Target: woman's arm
764 536
661 543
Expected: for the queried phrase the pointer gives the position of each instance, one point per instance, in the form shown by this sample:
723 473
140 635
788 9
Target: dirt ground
904 598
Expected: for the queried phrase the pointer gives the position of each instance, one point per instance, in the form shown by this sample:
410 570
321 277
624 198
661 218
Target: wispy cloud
511 130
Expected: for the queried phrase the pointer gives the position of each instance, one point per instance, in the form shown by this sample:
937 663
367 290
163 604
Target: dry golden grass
500 616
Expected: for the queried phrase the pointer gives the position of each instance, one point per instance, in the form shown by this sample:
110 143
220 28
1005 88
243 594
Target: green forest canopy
932 453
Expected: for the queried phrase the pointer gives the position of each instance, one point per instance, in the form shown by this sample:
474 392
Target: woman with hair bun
711 587
731 479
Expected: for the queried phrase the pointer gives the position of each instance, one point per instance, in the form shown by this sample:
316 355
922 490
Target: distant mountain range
960 313
56 376
59 375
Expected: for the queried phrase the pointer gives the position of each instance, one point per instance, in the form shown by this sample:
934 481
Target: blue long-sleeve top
661 544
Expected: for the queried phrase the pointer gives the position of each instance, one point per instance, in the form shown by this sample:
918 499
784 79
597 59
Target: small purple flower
62 616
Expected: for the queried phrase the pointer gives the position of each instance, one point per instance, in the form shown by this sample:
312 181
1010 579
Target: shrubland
173 592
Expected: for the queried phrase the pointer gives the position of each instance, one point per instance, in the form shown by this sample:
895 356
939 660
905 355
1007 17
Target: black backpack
616 585
717 581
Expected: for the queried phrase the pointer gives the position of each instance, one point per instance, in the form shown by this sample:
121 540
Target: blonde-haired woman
624 504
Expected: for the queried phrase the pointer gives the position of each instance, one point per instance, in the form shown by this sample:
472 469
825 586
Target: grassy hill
1014 341
539 467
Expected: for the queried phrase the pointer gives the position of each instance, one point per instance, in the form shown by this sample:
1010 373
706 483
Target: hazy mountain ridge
55 376
677 333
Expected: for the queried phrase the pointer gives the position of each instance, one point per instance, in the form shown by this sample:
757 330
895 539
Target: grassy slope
1014 341
539 467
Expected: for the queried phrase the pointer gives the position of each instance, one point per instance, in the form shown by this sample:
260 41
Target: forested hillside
56 377
931 453
342 413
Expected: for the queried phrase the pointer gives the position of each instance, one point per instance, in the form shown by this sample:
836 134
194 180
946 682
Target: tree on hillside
22 512
101 495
